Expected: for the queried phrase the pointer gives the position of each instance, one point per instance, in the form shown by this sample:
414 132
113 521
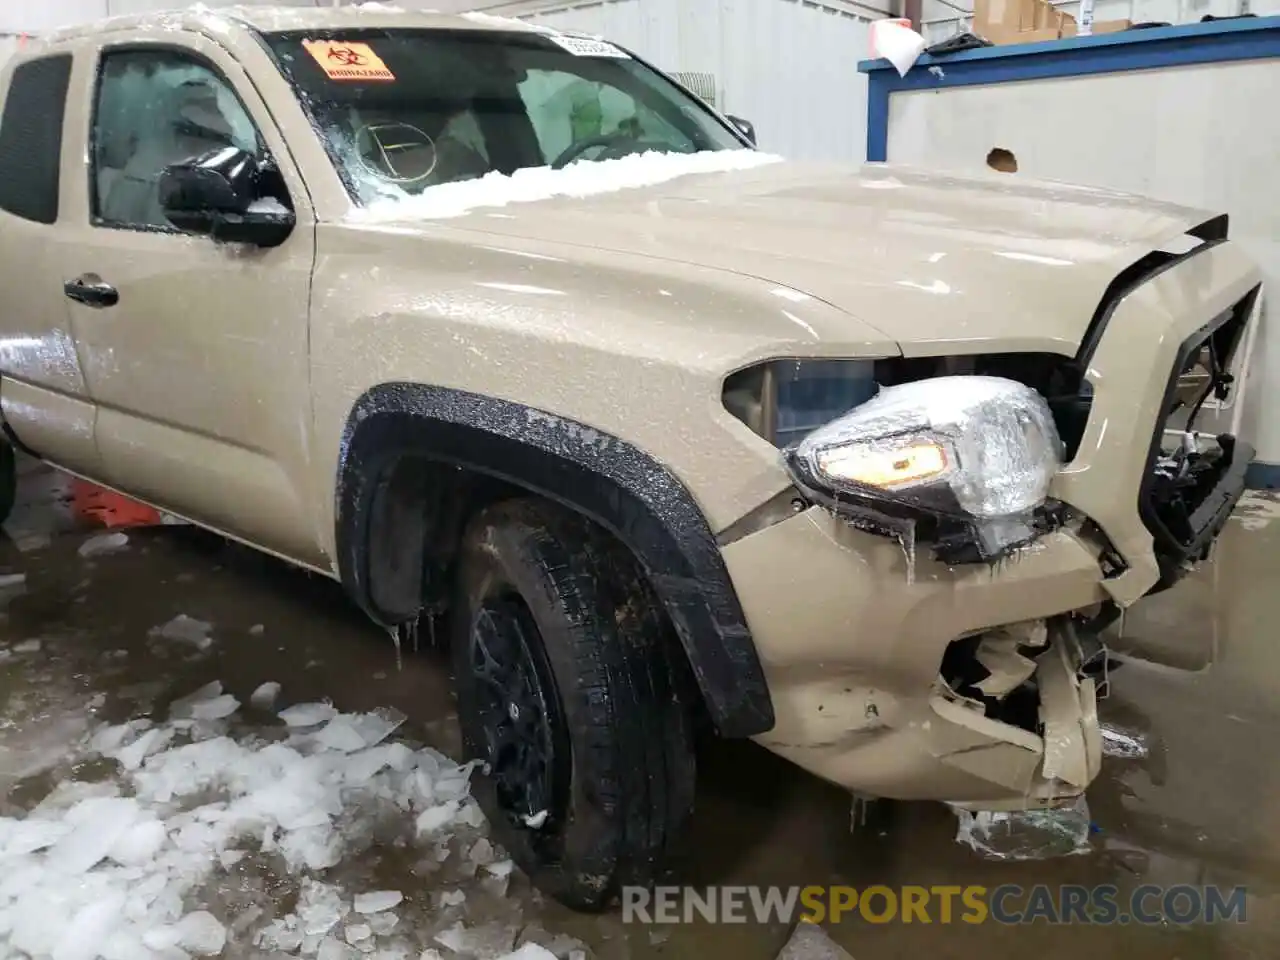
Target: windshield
403 110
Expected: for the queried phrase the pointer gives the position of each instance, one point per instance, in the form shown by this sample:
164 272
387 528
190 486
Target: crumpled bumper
852 629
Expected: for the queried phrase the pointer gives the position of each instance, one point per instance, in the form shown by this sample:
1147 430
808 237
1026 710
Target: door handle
91 290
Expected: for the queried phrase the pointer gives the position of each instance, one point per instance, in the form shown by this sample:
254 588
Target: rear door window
31 138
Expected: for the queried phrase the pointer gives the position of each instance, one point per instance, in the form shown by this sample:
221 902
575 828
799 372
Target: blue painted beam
1218 41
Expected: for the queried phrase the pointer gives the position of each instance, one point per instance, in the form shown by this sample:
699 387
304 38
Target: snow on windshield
582 179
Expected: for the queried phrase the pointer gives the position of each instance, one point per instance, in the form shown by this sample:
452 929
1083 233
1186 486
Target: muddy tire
8 479
566 693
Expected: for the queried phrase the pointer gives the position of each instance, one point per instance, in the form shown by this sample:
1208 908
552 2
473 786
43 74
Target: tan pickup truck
502 327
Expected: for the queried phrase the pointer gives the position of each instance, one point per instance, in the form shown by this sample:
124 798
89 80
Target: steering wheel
382 148
575 150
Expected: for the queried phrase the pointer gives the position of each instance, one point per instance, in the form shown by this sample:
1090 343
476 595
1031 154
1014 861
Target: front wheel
566 694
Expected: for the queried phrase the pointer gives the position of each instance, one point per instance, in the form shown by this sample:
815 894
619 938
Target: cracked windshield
404 110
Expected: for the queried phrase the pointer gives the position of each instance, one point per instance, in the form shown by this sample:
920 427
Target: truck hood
938 263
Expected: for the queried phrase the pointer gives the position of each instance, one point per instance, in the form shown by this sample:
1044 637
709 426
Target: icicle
395 638
907 539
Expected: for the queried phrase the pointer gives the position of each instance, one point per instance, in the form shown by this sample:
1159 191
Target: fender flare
606 479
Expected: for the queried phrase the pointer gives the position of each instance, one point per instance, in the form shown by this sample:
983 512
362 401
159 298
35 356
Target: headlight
973 448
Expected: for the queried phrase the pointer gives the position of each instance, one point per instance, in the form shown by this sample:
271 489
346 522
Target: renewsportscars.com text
1009 904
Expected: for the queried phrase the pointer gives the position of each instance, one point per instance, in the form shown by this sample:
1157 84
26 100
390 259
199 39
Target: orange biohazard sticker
348 61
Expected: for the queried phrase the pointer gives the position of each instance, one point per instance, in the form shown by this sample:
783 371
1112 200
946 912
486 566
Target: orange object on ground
91 501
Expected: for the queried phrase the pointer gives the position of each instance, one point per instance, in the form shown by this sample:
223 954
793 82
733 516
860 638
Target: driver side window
155 108
566 109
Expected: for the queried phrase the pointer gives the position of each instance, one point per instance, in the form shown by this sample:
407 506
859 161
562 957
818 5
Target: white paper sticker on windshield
587 47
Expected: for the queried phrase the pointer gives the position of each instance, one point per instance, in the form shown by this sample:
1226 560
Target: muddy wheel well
419 512
416 461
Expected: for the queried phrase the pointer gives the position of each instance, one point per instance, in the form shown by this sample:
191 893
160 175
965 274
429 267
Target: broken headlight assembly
963 461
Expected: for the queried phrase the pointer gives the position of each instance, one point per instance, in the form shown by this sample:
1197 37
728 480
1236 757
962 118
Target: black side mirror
746 127
219 194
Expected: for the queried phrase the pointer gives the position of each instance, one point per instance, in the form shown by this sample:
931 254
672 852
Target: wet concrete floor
1201 808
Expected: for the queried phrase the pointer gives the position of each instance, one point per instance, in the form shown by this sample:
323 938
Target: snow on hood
581 179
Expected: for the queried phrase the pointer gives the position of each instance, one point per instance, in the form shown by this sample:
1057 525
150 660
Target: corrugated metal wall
789 66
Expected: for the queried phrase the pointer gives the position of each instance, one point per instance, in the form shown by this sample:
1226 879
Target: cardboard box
1099 26
1016 21
1030 21
1111 26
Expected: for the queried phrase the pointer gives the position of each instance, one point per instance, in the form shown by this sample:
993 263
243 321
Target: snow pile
580 179
114 868
185 629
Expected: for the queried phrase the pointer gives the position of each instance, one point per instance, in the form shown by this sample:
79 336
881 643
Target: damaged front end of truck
1029 500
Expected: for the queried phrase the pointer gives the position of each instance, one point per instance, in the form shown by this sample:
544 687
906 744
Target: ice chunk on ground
149 742
308 714
331 948
12 580
200 933
471 814
257 630
340 734
98 825
382 923
103 543
502 868
376 726
453 898
356 932
186 812
140 844
27 646
481 852
185 629
181 706
496 887
531 951
319 907
536 821
92 924
108 739
436 818
377 901
27 836
281 934
561 945
1027 834
265 696
215 709
493 939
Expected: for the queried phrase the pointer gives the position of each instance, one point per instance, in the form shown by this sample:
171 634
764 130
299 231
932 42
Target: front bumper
852 628
851 631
